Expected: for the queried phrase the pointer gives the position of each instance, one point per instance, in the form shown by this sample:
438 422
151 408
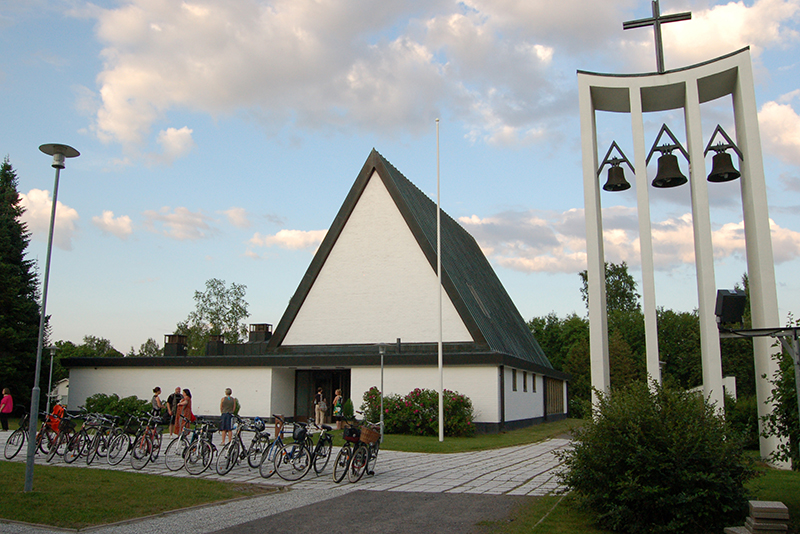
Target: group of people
179 409
178 405
321 406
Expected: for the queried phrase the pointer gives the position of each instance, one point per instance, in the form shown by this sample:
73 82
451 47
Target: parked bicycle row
140 439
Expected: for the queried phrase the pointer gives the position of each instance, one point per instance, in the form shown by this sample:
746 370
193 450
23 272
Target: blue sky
218 139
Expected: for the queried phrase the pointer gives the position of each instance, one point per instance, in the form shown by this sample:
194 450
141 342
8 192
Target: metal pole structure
439 273
59 153
382 349
50 382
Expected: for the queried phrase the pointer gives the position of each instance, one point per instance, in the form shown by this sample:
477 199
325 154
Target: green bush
742 415
783 421
348 411
418 412
113 405
658 460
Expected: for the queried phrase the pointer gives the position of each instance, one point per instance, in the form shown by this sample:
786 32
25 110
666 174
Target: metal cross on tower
656 21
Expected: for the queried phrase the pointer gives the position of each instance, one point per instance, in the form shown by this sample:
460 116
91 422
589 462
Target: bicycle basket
368 435
351 434
299 433
65 425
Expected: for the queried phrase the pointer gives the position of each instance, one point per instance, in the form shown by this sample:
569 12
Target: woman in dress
337 409
184 410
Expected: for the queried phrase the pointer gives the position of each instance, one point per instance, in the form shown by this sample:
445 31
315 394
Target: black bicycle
359 453
266 467
294 460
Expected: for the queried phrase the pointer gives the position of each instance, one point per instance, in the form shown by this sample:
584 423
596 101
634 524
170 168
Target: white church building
373 280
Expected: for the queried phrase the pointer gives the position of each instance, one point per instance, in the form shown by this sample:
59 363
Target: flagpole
439 272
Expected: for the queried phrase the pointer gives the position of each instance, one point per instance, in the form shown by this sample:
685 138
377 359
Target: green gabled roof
469 280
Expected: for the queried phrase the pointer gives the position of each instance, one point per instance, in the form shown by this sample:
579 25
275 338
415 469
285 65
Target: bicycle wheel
256 451
14 443
57 448
98 442
322 455
45 439
76 446
140 454
175 454
118 449
292 462
156 439
228 457
199 457
358 464
267 466
342 462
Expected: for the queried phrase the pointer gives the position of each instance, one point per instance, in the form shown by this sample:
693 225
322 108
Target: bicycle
146 443
359 452
104 434
235 451
266 467
45 437
79 444
200 454
294 461
175 453
66 430
121 442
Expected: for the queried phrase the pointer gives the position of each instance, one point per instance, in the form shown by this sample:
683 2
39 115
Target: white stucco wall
376 285
251 385
521 404
479 383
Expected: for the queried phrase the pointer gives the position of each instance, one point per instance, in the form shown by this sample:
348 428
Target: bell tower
727 77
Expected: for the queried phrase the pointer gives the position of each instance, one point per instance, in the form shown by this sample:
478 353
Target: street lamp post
52 350
59 153
382 350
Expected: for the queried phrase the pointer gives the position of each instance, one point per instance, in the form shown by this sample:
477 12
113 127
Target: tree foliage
219 310
620 288
658 460
784 421
19 307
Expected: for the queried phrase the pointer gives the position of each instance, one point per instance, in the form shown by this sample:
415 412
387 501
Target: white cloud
180 224
238 217
535 241
118 226
503 68
290 239
780 129
38 206
175 143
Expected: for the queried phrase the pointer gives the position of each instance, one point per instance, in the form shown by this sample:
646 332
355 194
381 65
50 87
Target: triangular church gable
375 285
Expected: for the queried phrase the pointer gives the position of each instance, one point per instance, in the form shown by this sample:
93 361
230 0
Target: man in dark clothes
172 408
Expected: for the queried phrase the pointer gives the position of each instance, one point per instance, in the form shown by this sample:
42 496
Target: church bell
722 169
616 179
669 174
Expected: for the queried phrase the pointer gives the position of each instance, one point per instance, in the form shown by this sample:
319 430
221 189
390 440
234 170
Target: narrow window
524 380
513 380
533 383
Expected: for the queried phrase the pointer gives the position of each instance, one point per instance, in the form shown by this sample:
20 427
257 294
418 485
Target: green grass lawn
69 497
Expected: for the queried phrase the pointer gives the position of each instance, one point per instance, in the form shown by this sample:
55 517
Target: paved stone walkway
525 470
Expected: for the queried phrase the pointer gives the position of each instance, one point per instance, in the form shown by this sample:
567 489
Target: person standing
6 407
172 408
320 407
337 409
185 410
155 402
226 408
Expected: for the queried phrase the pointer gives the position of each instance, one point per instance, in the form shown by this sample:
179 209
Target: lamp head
59 153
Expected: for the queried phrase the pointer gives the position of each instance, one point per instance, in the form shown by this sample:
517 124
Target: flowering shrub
418 412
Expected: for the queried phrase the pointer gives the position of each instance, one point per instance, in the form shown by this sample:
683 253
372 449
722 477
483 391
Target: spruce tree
19 307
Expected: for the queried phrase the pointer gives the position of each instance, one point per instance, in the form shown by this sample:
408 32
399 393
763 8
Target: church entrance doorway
306 384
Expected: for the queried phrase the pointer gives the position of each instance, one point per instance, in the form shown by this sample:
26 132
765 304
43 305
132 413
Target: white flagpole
439 272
